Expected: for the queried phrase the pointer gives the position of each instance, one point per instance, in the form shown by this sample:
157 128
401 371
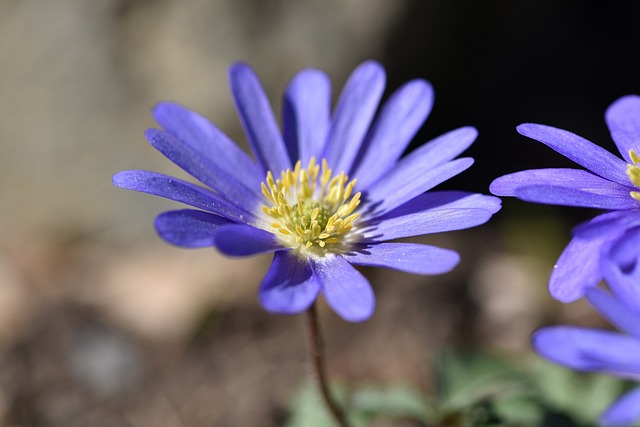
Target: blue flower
328 192
610 184
611 352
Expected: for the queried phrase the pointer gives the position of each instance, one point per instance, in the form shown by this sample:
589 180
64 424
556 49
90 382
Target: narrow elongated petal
428 222
577 268
346 291
399 120
608 223
409 257
207 141
353 114
563 196
614 310
409 179
307 107
189 228
620 265
244 240
589 349
576 179
433 213
289 286
624 412
431 155
623 119
181 191
446 200
206 171
583 152
258 120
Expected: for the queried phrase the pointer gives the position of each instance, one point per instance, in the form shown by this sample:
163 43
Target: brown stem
317 361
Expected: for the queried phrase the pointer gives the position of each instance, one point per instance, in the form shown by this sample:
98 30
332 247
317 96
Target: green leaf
466 379
308 409
519 410
583 396
396 401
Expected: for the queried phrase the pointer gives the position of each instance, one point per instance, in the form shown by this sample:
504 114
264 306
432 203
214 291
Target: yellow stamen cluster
311 208
633 172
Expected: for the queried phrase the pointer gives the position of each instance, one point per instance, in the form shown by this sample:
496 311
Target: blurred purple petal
258 120
614 310
181 191
189 228
621 268
611 222
589 349
624 412
289 286
577 268
346 291
306 111
207 141
583 152
244 240
623 119
353 114
409 257
399 120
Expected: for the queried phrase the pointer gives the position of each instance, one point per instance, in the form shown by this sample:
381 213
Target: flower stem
316 350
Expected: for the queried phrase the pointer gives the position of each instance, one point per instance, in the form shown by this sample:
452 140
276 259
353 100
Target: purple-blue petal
306 114
289 286
353 114
577 179
205 170
589 349
181 191
189 228
623 119
614 310
207 141
433 212
347 292
577 269
409 257
258 120
243 240
583 152
621 268
608 223
397 123
563 196
409 179
624 412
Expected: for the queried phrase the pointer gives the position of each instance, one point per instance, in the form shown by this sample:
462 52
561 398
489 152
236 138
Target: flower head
594 350
328 192
610 183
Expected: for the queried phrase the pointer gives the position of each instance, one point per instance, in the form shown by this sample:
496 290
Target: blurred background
102 324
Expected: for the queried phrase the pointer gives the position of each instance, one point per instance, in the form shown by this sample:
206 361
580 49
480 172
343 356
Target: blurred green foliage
472 389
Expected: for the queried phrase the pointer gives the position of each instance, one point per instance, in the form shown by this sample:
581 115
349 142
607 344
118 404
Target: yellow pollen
633 172
310 207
